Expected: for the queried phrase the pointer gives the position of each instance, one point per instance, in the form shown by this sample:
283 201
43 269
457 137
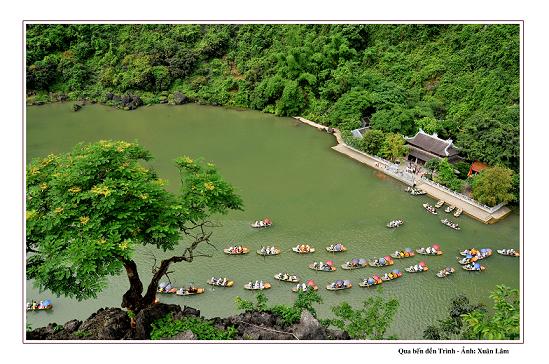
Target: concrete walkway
432 191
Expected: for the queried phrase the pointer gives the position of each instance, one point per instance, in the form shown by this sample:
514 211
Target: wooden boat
299 287
265 254
413 269
359 263
191 291
458 212
339 285
474 267
450 224
370 281
472 251
394 224
229 251
423 251
325 267
373 263
509 252
449 208
408 189
229 283
417 192
439 204
391 275
300 251
286 277
430 208
262 223
266 285
37 306
332 248
403 254
477 253
465 260
169 290
445 272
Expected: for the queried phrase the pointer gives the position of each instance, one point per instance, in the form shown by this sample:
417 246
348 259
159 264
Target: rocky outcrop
115 324
126 102
180 99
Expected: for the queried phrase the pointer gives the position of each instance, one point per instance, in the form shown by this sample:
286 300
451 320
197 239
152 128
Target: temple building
424 147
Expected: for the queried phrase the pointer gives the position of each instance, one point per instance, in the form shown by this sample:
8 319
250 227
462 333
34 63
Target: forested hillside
461 81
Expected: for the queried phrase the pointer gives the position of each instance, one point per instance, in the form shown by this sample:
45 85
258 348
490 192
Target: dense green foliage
367 322
460 80
452 327
289 314
494 185
446 176
89 208
474 322
167 327
503 324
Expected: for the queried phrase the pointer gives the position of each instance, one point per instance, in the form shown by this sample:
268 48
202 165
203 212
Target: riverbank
115 324
451 198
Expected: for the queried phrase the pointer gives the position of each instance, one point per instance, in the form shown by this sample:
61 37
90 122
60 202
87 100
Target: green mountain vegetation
461 81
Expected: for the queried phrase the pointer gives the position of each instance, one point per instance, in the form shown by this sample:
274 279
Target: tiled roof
433 144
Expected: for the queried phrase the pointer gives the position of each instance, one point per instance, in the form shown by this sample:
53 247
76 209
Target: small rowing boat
430 208
339 285
166 288
430 250
257 286
323 267
394 274
191 291
236 250
450 224
355 263
336 248
310 285
509 252
371 281
458 212
258 224
303 249
285 277
418 268
417 192
381 262
406 253
269 250
445 272
39 306
220 282
439 204
474 267
449 209
394 224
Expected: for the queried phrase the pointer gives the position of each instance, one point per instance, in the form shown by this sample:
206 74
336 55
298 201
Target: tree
494 185
368 322
393 147
88 209
503 324
452 326
372 142
446 176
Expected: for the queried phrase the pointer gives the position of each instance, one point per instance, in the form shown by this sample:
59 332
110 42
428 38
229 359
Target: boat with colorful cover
339 285
236 250
355 263
323 267
430 250
406 253
371 281
381 262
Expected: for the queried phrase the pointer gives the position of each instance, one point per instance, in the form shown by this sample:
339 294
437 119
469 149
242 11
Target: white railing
410 178
463 197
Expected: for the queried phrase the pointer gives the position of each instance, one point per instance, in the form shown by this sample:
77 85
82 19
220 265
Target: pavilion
424 147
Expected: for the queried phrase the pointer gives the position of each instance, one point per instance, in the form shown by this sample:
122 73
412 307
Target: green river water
287 171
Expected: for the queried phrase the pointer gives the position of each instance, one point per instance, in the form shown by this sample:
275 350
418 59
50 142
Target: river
287 171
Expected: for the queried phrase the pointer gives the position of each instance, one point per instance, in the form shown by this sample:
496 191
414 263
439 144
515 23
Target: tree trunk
150 295
133 299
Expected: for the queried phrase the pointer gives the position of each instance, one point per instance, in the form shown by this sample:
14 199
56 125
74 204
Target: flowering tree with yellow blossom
87 210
